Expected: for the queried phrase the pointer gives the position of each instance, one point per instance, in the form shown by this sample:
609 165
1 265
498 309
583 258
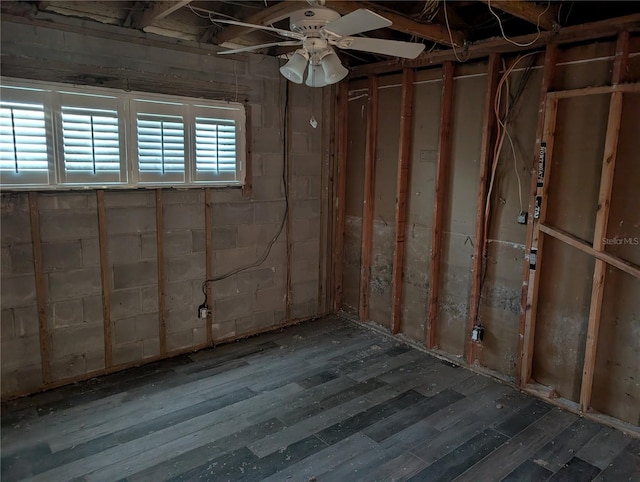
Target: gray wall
69 50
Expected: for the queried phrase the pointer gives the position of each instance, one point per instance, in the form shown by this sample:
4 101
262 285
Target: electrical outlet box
522 218
203 312
477 334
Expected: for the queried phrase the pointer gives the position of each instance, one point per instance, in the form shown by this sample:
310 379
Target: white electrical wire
453 45
513 41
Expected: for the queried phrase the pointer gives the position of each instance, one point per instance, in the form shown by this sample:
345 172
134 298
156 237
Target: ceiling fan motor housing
310 20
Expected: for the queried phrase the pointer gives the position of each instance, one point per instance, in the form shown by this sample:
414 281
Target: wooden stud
479 248
602 89
539 215
289 220
439 206
539 15
341 192
571 240
106 279
161 276
404 163
208 229
525 348
602 220
156 11
369 197
247 188
330 120
41 290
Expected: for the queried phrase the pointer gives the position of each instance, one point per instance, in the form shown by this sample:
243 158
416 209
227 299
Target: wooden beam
157 11
404 162
602 220
247 188
525 340
439 207
531 12
341 191
568 238
429 31
266 16
41 290
162 327
289 221
483 48
106 280
486 154
208 241
602 89
369 197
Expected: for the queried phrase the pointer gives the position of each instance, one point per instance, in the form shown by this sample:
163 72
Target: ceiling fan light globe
333 69
316 76
294 69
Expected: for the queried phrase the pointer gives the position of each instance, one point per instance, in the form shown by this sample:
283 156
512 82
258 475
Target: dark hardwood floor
326 400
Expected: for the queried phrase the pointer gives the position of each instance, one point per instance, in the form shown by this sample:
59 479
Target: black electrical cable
267 251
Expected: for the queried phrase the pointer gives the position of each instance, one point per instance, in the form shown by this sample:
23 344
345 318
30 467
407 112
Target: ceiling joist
528 11
267 16
156 11
428 31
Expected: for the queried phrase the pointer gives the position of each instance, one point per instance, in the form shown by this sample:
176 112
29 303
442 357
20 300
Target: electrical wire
453 45
269 246
513 41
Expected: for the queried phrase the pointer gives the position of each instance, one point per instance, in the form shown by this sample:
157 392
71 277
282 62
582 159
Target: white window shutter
216 149
161 148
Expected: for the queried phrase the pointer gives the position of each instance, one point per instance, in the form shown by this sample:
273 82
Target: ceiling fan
318 30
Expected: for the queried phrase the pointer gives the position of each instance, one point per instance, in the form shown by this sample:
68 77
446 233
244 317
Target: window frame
128 104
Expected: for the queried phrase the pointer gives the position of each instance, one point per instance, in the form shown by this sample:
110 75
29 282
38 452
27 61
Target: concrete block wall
242 224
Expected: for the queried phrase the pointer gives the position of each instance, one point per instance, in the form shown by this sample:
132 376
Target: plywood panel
563 313
389 105
616 384
623 234
577 159
460 220
422 174
357 116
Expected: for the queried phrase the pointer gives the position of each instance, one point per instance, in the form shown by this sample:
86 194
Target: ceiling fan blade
251 48
284 33
395 48
359 21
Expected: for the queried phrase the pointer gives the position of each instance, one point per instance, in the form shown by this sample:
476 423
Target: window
55 136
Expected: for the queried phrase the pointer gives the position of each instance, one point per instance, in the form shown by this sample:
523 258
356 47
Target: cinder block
7 329
90 252
150 347
92 309
277 256
147 326
18 290
227 260
178 294
177 243
269 139
233 307
268 188
255 323
269 212
78 283
131 220
305 270
125 303
183 196
124 249
16 226
232 213
303 310
26 321
71 224
305 209
270 299
272 164
77 339
307 165
183 216
149 299
186 267
62 201
180 339
198 240
143 273
65 313
224 288
127 199
20 352
68 367
304 292
224 331
299 188
149 245
21 258
224 237
250 281
124 331
305 251
229 195
5 260
299 143
62 255
128 352
258 234
305 230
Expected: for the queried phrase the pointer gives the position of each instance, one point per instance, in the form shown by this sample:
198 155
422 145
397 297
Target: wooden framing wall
537 229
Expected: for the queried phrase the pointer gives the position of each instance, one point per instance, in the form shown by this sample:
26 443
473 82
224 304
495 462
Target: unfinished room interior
320 240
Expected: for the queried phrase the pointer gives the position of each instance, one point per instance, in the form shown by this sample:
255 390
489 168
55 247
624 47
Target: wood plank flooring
326 400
